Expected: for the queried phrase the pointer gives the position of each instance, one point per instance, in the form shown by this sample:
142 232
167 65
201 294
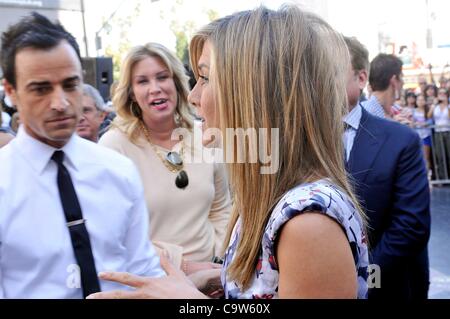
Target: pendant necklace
172 160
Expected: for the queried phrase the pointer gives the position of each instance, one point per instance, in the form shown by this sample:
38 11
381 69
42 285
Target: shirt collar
379 109
39 154
354 117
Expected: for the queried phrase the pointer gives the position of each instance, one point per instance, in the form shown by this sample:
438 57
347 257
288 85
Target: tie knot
346 126
58 157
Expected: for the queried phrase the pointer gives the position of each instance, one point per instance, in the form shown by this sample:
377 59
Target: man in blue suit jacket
385 161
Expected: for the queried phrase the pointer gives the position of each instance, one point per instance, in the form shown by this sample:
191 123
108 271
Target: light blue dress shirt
36 253
374 107
352 120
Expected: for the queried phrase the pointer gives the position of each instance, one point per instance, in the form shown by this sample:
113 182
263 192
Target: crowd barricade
440 156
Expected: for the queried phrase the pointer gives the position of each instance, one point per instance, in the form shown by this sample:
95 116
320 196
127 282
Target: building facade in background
68 12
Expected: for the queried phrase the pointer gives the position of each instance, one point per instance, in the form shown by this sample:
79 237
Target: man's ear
102 116
363 77
393 80
10 92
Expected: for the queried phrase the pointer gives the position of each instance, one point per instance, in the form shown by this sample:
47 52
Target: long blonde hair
129 113
281 69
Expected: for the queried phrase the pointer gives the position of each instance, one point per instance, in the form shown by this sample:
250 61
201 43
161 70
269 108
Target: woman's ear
131 94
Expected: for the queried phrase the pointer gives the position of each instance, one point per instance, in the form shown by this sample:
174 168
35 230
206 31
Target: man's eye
71 86
42 90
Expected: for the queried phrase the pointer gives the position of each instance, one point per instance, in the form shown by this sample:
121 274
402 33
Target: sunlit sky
403 21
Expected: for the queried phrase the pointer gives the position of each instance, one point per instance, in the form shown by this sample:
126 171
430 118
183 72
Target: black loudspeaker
98 72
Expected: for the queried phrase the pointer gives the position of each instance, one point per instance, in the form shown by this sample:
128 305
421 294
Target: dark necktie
346 127
77 228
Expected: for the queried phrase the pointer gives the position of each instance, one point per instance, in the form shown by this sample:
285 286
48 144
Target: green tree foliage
182 31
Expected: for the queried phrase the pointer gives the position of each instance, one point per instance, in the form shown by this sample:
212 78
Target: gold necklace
173 161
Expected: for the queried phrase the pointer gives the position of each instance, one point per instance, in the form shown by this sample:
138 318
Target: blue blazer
388 172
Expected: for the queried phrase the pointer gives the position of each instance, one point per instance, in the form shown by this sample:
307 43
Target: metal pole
84 29
98 40
433 153
429 35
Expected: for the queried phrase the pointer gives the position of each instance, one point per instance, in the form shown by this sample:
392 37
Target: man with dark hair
357 78
384 159
34 31
69 208
386 81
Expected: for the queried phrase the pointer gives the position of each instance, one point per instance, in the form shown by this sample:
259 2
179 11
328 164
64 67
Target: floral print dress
321 196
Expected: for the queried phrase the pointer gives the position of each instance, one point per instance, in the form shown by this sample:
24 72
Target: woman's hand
173 286
191 267
208 282
402 119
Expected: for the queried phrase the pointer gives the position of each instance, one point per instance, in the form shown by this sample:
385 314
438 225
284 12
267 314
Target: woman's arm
315 259
431 111
173 286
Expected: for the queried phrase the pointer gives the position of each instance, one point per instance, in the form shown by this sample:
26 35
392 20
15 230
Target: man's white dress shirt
36 254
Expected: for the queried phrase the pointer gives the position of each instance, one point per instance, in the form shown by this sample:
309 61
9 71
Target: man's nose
59 101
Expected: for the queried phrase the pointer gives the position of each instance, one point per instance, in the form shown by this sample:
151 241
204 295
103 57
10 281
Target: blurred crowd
425 108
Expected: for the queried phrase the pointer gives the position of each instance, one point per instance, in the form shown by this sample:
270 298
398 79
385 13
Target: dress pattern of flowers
321 196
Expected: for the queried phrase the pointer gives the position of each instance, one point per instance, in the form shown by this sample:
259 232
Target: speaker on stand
98 72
